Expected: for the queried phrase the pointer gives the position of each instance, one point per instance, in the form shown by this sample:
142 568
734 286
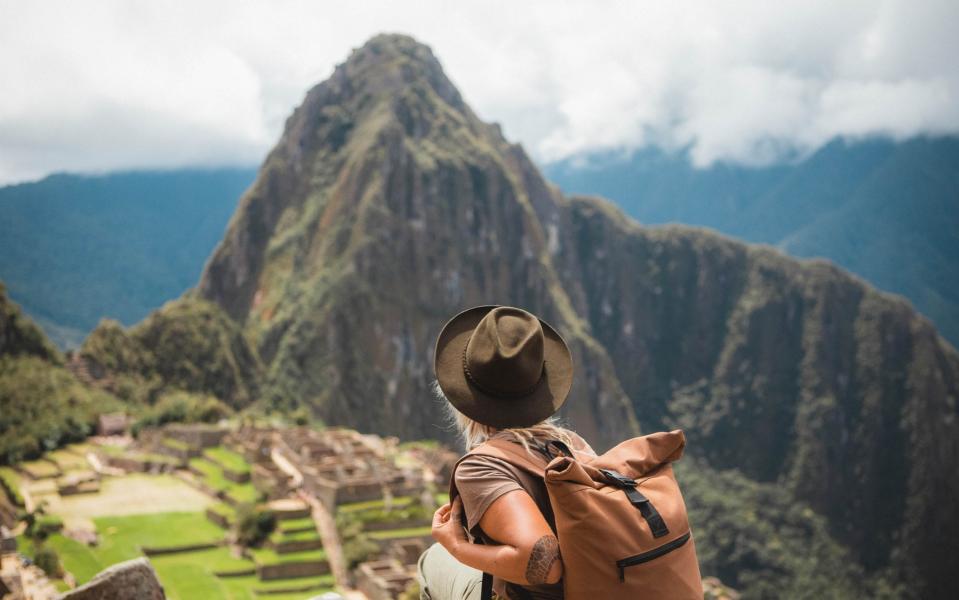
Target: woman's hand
447 526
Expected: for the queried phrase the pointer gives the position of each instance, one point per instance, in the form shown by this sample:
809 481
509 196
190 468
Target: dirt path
326 526
287 467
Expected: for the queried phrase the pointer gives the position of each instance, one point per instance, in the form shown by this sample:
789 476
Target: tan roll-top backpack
620 517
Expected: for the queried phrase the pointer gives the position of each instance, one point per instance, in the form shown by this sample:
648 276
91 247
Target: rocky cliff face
791 372
387 206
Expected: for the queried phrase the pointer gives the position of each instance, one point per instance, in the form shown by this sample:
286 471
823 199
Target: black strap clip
637 499
617 479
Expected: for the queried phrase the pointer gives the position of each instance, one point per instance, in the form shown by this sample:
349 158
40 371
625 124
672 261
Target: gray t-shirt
481 480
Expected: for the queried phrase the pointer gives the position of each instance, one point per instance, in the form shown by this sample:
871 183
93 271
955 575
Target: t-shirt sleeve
480 481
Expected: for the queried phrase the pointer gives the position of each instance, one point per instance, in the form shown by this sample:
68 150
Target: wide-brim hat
502 366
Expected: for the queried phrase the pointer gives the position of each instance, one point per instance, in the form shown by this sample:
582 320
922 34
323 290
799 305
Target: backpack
620 517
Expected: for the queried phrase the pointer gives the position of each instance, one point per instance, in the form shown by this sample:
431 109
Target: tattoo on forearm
541 559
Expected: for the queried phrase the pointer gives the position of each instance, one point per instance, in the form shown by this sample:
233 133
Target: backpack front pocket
653 554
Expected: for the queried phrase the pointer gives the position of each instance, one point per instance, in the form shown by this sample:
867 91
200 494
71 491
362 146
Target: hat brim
545 399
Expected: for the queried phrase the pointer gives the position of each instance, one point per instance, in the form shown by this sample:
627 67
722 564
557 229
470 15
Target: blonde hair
475 433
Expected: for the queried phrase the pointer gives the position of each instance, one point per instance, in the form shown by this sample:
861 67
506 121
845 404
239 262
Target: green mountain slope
74 249
41 404
387 206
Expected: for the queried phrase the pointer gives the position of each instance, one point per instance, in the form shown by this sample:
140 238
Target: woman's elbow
545 565
555 572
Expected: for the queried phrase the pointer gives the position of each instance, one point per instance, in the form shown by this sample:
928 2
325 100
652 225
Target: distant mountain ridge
75 249
887 211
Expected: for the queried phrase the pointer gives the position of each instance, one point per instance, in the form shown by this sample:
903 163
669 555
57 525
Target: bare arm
528 552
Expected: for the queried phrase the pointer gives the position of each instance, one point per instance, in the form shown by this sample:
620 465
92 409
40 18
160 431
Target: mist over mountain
75 249
820 412
887 211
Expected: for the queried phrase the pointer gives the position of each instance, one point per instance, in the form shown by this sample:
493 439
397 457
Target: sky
97 86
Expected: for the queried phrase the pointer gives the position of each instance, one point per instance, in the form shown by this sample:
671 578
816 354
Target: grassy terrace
10 483
391 534
267 556
154 458
213 476
227 459
315 585
111 450
299 536
122 537
369 505
294 525
40 468
237 588
222 508
175 444
69 459
136 455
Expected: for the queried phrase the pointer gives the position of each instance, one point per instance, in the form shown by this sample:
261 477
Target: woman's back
481 480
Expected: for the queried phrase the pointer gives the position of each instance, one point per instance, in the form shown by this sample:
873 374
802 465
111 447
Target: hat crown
504 354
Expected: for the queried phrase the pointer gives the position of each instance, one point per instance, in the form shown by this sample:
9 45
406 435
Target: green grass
291 525
316 585
222 508
69 460
10 482
175 444
190 575
244 493
213 476
373 504
122 537
390 534
268 556
187 575
299 536
111 450
227 459
156 458
40 468
245 588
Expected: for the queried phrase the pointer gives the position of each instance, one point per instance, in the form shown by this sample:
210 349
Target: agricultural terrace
165 514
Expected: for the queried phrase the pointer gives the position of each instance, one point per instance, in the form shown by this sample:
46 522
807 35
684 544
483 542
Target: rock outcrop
130 580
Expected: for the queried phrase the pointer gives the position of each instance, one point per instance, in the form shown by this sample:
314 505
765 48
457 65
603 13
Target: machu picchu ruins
346 512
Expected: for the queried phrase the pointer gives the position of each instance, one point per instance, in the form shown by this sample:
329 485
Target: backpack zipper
650 555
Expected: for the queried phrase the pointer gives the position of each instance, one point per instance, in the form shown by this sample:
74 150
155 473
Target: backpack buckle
618 480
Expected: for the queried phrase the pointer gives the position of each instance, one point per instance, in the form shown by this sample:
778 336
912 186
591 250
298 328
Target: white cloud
121 83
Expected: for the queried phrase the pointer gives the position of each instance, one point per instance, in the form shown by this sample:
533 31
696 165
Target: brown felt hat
502 366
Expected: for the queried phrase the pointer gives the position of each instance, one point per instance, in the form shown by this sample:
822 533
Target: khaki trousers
442 577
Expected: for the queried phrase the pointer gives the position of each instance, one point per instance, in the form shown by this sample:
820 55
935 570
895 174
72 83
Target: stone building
383 579
113 424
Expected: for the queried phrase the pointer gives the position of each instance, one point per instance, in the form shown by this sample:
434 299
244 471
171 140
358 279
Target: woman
504 373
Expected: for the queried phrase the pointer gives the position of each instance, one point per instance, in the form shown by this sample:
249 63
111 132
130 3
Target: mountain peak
386 70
